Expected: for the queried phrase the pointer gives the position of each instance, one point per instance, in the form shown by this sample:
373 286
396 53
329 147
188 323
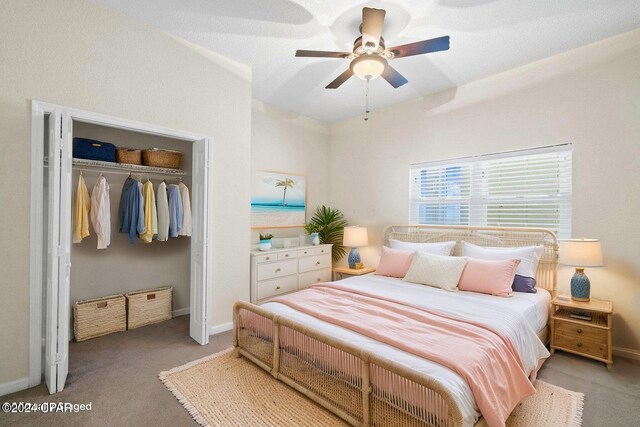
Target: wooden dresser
280 271
586 337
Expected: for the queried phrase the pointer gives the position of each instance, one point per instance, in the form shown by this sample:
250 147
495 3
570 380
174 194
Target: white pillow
529 256
436 270
438 248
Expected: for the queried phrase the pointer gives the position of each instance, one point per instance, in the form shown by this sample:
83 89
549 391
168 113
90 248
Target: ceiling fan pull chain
366 111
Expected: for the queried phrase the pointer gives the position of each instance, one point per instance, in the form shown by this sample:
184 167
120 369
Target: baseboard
224 327
180 312
629 353
13 386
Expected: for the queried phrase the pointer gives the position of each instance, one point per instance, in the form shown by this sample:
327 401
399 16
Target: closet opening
64 272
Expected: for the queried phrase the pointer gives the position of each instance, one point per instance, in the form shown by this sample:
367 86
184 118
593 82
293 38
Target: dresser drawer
287 255
312 277
580 345
573 330
273 287
266 258
276 269
316 262
314 251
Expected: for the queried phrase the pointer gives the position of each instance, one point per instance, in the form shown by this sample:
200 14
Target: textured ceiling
487 37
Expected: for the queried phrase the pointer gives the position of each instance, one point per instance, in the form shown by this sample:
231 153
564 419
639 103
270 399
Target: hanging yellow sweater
150 213
81 212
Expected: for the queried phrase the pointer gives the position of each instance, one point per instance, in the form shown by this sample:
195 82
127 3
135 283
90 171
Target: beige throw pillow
436 270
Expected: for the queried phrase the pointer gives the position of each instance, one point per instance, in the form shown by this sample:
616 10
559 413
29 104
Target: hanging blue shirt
130 215
175 210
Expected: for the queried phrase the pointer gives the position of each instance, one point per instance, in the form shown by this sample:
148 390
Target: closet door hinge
58 358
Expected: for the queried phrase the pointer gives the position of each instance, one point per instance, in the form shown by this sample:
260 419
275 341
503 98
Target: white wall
284 141
84 56
589 97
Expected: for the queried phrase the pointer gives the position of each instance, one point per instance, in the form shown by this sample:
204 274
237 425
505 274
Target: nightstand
589 338
340 273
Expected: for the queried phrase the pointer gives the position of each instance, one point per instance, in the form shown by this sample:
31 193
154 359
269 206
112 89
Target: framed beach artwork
278 200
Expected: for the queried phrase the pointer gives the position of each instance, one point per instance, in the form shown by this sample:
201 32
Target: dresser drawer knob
318 263
579 344
286 255
277 288
318 279
278 270
579 331
268 258
321 251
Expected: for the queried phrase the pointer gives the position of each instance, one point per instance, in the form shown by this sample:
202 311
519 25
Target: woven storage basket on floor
148 306
100 316
129 156
162 158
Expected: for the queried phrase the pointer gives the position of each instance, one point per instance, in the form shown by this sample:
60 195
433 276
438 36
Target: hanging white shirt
186 210
100 212
162 204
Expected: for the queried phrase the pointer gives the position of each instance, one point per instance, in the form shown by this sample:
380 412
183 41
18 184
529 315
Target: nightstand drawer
277 269
573 330
581 345
270 288
317 262
314 251
312 277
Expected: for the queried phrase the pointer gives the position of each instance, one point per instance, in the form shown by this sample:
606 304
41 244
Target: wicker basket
162 158
129 156
101 316
148 306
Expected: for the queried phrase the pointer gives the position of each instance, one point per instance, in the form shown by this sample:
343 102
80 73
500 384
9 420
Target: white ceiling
487 37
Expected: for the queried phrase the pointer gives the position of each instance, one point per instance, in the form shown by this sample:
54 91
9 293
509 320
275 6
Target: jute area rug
221 390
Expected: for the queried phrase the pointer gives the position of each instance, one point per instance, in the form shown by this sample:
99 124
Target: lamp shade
581 252
355 237
368 67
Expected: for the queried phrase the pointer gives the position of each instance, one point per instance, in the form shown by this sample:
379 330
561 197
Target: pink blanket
484 358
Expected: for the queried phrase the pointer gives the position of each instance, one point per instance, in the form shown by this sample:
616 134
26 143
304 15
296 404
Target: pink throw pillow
394 262
488 277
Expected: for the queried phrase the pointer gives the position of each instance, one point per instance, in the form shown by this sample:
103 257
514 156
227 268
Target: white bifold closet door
56 363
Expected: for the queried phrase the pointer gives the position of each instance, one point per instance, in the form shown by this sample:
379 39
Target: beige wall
589 97
283 141
80 55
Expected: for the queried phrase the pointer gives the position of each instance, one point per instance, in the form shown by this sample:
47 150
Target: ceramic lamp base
580 286
354 257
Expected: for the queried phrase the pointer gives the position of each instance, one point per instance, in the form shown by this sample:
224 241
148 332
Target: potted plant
313 230
331 223
265 241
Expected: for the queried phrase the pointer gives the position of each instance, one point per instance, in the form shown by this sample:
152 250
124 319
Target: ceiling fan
370 57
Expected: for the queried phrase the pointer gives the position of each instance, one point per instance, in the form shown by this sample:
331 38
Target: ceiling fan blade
394 78
418 48
321 54
340 79
372 22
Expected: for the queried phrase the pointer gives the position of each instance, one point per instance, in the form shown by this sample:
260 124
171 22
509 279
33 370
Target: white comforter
516 318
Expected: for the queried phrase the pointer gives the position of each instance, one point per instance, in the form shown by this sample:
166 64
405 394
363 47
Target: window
527 188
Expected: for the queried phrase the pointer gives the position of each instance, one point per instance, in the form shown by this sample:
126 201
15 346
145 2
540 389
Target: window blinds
527 188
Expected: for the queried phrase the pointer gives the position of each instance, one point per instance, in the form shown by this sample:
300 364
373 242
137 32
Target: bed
367 382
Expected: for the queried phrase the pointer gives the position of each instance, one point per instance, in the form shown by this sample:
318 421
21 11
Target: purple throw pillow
524 284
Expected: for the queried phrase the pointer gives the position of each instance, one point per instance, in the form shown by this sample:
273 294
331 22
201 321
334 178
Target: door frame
39 109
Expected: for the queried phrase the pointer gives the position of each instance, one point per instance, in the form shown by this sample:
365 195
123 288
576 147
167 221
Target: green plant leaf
331 223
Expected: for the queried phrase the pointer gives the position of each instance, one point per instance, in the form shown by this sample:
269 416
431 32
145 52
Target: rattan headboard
487 236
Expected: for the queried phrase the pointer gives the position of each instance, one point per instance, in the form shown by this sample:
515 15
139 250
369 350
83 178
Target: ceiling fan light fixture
368 67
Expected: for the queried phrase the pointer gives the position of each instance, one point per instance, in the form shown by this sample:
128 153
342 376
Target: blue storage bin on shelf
91 149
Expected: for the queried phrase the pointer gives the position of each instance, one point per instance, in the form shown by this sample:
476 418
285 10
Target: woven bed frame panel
353 383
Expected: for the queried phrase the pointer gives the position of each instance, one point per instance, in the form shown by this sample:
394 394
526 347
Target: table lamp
581 253
355 237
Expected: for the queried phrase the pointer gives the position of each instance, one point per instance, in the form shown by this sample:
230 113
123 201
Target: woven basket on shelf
100 316
129 156
148 306
162 158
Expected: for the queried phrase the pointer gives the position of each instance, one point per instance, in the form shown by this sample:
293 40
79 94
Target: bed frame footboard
358 386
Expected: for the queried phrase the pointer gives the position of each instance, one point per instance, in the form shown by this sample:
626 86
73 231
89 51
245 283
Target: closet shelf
99 165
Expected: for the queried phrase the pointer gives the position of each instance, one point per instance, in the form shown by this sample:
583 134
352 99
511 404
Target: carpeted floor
118 374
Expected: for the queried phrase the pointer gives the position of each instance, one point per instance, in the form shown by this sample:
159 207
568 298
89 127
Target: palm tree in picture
286 183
